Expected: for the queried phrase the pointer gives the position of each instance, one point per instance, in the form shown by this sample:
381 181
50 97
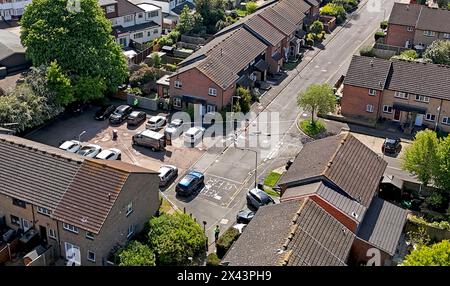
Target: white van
151 139
193 134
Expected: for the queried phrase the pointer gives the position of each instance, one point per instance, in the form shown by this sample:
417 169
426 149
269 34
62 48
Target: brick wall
340 216
359 253
355 100
398 35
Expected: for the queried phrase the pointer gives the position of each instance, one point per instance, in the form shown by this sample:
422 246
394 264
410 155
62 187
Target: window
177 102
372 92
212 91
400 94
210 108
15 220
140 15
129 209
387 109
89 235
409 29
91 256
154 14
139 35
178 84
19 203
369 108
155 31
110 9
430 117
114 22
422 98
70 227
446 120
130 231
446 36
149 33
44 211
52 233
128 18
429 33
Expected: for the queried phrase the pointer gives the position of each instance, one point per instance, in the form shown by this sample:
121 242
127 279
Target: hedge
212 260
225 241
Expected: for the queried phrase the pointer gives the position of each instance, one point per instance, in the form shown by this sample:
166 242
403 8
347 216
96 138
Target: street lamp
81 134
204 232
232 110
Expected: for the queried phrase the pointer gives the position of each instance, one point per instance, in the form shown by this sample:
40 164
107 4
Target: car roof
177 120
69 143
259 193
157 117
135 113
196 174
92 146
164 169
104 154
193 130
122 107
186 180
391 140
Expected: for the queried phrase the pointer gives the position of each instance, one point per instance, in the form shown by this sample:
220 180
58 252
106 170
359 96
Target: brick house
411 94
334 182
241 54
81 207
12 9
140 23
412 25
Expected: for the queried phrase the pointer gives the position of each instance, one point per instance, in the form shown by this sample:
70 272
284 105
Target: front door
25 225
73 254
419 120
43 233
396 114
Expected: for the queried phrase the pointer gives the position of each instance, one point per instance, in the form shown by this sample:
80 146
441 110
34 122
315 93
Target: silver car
110 154
72 146
90 150
167 173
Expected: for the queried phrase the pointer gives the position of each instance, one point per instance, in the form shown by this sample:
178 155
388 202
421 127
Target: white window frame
177 102
44 211
429 33
430 117
88 258
52 233
422 98
409 29
372 92
70 227
212 91
139 35
128 18
110 9
88 236
446 36
446 120
130 231
369 108
177 84
402 95
386 109
129 209
209 107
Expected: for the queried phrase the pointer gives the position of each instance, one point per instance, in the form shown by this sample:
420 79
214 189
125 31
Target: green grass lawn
272 179
312 129
271 192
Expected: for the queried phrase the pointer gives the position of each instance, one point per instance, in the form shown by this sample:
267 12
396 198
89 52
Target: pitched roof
264 30
420 78
368 72
117 30
404 14
421 17
292 233
344 161
9 44
124 7
382 225
278 20
294 11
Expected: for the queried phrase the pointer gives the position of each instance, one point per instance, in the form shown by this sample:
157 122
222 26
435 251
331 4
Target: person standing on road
216 233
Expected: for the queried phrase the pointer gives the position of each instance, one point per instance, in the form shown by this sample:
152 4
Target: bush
171 67
384 25
367 51
143 75
226 240
136 254
379 34
212 260
437 201
312 128
334 10
316 27
347 4
245 100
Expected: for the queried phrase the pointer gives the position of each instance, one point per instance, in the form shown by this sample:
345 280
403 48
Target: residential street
230 172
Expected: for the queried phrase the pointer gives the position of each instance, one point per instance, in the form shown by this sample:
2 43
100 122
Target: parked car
166 174
156 122
244 216
151 139
90 150
72 146
110 154
193 134
136 118
174 127
240 227
104 112
120 114
391 145
190 183
257 198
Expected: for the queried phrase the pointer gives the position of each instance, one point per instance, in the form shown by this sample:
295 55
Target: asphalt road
230 172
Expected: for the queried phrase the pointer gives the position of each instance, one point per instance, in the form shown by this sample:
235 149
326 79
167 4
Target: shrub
379 34
436 201
212 260
245 99
347 4
367 51
143 75
384 25
226 240
251 7
171 67
316 27
334 10
136 254
155 61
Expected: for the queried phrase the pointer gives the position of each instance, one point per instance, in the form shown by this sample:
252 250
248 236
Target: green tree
334 10
316 27
89 88
136 254
442 176
186 22
317 99
245 100
437 254
60 84
421 157
79 41
211 12
156 61
250 7
175 238
438 52
408 55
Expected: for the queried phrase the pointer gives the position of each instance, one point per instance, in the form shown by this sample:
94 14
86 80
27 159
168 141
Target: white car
174 127
193 134
110 154
90 150
72 146
156 122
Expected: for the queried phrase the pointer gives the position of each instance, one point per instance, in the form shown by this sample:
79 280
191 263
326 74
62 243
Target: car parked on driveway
166 174
190 183
257 198
193 135
110 154
90 150
136 118
72 146
244 216
175 127
391 145
156 122
104 112
120 114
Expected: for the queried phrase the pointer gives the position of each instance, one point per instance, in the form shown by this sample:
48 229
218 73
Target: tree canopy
80 42
438 52
437 254
442 176
317 99
211 12
136 254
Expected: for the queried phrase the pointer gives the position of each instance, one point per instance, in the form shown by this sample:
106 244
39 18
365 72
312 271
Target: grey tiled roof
404 14
294 11
124 7
421 17
292 233
368 72
264 30
9 44
119 29
278 20
382 225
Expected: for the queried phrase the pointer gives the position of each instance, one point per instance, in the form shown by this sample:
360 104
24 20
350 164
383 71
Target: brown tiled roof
292 233
404 14
278 20
263 29
124 7
368 72
294 11
344 161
